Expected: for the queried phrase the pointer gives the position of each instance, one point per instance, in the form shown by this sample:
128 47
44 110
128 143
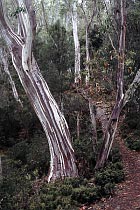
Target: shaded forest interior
93 93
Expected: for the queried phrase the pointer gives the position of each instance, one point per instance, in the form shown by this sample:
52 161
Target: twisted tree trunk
53 122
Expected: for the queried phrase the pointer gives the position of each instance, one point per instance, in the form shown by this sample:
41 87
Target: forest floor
127 193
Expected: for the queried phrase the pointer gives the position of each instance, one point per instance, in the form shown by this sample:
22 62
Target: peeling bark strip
53 122
113 121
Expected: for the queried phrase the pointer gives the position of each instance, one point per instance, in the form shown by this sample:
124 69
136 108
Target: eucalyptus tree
54 124
88 19
113 121
121 98
73 7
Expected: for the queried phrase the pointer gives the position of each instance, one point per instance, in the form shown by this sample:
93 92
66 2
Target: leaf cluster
17 11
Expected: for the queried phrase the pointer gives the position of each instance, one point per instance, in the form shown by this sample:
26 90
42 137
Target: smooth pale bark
87 79
93 122
76 42
113 121
54 124
87 48
87 59
78 124
87 27
4 61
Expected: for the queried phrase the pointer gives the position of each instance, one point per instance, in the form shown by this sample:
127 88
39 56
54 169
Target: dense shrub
28 161
115 155
132 143
106 178
20 192
85 160
32 155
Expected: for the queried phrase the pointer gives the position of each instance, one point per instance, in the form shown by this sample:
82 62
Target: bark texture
54 124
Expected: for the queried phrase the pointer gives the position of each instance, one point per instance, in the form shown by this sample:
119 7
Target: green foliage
115 155
106 178
18 10
16 123
19 151
96 39
32 156
55 57
130 128
9 125
133 31
85 161
133 144
21 190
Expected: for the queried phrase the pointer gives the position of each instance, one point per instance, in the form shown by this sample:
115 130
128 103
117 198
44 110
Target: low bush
130 128
18 192
132 143
107 178
29 161
115 155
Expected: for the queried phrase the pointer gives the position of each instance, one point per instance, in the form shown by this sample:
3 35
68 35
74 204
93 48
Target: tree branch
8 33
4 61
132 88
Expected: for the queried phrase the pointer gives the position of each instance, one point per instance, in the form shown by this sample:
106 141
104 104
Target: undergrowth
130 129
20 188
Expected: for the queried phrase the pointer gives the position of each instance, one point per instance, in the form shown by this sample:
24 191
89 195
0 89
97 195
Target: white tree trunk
78 124
87 58
53 122
93 122
4 61
76 43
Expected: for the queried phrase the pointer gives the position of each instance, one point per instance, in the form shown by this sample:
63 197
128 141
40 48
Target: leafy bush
29 161
115 155
85 160
19 151
132 143
85 194
20 193
106 178
32 155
